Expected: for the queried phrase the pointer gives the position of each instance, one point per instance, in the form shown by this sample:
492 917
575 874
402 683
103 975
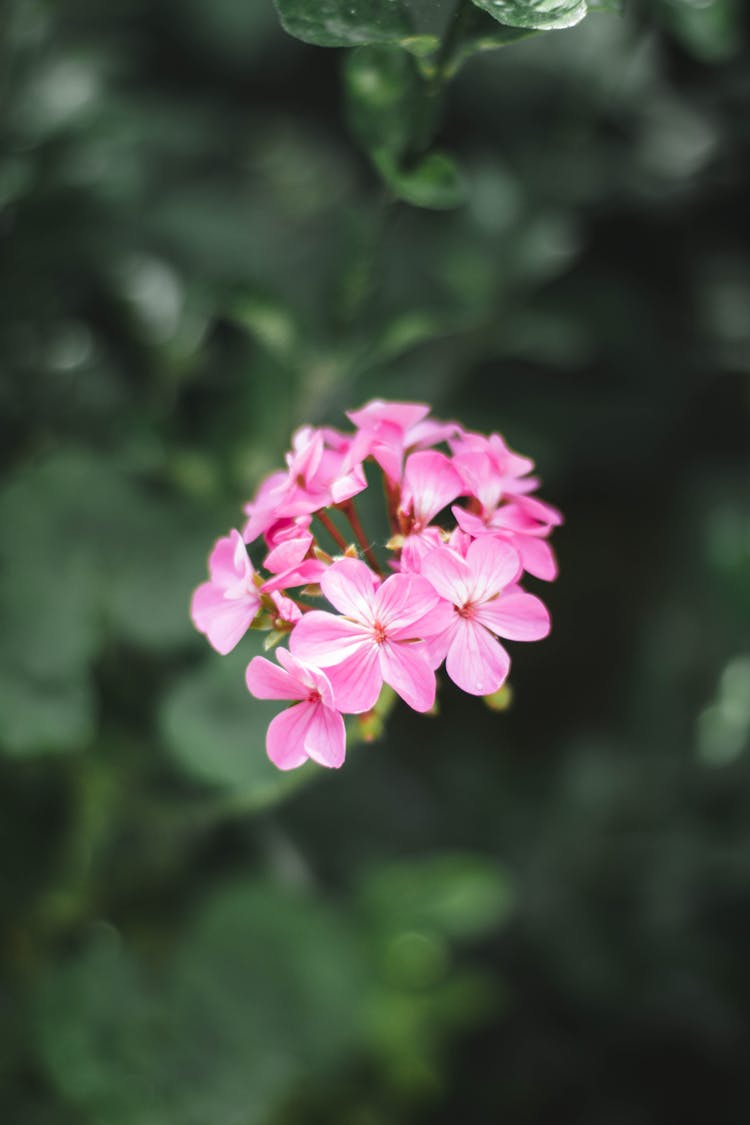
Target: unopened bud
501 699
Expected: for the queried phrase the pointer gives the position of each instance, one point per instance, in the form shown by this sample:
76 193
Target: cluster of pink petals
453 594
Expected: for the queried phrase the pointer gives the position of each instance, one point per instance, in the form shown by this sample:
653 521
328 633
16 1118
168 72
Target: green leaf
216 731
388 108
258 996
541 15
353 23
475 32
455 895
393 113
42 716
87 552
435 182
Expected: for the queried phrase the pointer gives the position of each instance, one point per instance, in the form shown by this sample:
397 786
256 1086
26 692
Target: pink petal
518 616
285 738
436 647
286 610
430 432
401 414
439 618
286 528
228 560
311 570
308 445
387 447
402 600
541 510
449 574
348 484
537 557
357 681
325 738
406 668
288 553
325 639
430 483
349 585
223 620
314 679
469 522
416 546
513 517
476 661
493 564
267 681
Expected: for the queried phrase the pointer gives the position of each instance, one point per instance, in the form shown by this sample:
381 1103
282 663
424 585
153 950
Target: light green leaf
352 23
542 15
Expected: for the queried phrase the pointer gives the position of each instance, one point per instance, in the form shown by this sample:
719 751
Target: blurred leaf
352 23
37 716
710 29
435 182
388 107
460 896
393 114
86 550
543 15
261 992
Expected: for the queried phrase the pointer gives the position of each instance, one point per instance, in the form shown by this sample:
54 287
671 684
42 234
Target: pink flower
224 607
386 430
490 469
316 477
313 728
430 483
290 566
377 639
486 604
518 525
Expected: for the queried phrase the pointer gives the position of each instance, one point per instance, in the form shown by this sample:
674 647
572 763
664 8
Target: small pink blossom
516 525
486 603
316 476
290 565
430 484
224 607
376 639
387 430
313 727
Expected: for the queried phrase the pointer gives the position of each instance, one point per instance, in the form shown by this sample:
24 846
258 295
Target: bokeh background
530 917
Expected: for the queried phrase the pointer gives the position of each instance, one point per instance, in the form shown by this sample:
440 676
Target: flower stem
350 512
332 530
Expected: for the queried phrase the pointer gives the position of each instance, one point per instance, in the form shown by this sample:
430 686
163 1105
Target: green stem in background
332 530
350 511
464 13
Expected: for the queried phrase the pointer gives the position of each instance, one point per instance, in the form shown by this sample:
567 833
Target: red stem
350 512
332 530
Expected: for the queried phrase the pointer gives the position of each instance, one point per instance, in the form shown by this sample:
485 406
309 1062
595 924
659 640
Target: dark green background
532 917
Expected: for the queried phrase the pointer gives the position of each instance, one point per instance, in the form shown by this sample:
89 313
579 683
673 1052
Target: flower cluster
438 594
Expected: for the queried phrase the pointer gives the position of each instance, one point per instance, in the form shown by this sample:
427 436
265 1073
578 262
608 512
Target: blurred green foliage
535 915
